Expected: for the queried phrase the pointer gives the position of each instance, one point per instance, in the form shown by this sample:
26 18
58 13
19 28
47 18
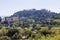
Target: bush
5 38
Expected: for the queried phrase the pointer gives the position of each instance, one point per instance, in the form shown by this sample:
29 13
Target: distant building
10 18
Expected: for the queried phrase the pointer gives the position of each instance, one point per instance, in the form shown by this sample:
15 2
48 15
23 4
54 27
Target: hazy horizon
9 7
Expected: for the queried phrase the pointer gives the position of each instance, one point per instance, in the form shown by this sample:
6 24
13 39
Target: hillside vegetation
31 25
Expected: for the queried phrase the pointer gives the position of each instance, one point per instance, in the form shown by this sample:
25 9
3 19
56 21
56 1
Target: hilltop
28 17
37 14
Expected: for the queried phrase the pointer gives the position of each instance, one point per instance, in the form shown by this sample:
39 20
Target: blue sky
8 7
